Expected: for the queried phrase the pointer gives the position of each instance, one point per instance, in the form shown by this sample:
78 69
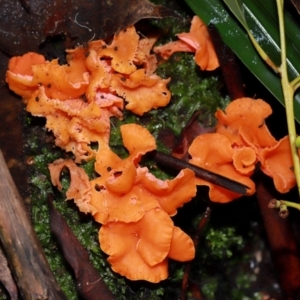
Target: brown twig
178 164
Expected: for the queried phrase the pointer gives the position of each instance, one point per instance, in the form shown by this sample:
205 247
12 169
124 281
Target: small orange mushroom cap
122 50
277 163
79 190
243 122
213 152
197 40
19 75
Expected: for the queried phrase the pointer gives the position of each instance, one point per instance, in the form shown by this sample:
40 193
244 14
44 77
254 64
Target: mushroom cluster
77 100
134 207
241 142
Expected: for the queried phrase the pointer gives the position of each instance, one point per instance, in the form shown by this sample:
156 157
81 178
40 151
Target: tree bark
22 248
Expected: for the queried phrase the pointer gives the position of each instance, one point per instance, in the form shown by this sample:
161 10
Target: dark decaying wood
6 277
283 246
228 65
89 283
22 248
26 24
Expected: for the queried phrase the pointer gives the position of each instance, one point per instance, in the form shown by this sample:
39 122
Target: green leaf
236 7
261 18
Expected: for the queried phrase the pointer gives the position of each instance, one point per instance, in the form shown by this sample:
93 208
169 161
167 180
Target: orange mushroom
277 163
63 81
134 208
213 152
60 81
122 51
74 123
142 92
19 75
77 100
139 250
197 40
243 123
79 190
127 191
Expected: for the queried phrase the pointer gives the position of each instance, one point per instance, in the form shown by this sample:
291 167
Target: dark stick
22 248
214 178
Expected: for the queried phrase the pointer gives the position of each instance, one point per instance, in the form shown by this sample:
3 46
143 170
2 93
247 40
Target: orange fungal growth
139 251
94 85
133 206
19 75
120 240
277 163
142 92
122 51
137 140
198 38
213 152
243 123
198 41
59 81
241 140
79 189
125 191
22 65
74 123
63 81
